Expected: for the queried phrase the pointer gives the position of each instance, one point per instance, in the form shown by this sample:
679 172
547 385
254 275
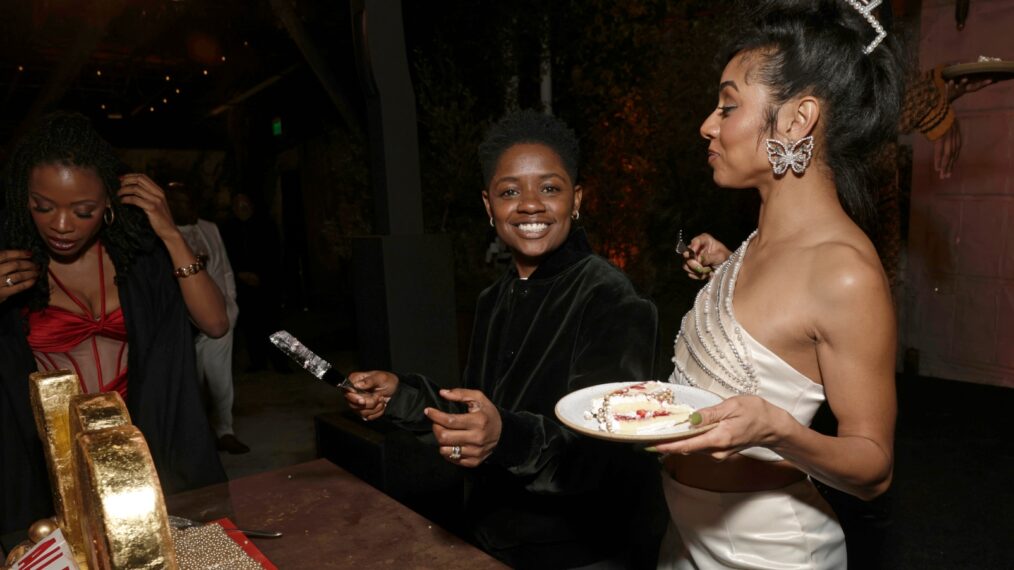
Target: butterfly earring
795 155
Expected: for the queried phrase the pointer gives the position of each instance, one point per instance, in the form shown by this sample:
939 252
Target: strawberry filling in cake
643 408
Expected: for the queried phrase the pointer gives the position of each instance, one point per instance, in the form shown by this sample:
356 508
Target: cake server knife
312 363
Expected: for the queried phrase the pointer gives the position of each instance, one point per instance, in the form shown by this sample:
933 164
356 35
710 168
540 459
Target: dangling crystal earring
795 155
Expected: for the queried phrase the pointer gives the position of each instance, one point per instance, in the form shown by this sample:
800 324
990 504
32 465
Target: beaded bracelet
188 270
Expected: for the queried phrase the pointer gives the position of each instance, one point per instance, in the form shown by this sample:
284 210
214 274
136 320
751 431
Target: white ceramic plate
571 408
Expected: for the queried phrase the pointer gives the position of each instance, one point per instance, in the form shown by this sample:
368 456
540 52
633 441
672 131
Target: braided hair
67 139
815 47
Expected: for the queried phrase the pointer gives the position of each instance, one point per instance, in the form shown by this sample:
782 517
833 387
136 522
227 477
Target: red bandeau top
93 348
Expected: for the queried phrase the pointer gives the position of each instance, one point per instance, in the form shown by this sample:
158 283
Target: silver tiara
865 7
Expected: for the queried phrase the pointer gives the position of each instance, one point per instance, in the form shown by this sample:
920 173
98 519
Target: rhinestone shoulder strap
717 355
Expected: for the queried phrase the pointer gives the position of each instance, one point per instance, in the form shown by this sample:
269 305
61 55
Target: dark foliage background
634 78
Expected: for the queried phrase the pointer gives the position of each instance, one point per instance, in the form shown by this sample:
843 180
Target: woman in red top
92 271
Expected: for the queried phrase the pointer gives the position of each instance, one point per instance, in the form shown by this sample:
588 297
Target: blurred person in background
255 251
214 355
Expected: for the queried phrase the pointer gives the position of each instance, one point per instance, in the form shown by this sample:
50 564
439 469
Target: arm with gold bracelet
200 293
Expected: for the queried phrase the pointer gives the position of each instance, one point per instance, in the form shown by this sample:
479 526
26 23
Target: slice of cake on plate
643 408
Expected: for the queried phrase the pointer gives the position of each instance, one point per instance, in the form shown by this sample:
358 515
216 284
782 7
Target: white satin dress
788 528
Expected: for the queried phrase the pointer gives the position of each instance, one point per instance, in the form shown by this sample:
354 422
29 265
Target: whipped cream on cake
643 408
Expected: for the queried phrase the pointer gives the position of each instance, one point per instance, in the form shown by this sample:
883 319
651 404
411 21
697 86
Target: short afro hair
533 127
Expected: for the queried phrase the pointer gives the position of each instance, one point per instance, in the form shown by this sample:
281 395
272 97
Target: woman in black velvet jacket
561 319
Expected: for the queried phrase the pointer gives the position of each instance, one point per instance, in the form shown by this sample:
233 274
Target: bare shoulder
843 268
848 286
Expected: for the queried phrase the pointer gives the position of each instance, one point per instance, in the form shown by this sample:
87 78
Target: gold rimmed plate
572 407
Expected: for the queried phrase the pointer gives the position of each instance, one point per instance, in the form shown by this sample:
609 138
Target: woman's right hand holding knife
375 389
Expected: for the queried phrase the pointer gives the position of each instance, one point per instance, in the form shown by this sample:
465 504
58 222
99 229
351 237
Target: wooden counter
331 519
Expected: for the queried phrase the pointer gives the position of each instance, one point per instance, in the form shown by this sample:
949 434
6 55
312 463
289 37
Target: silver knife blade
306 358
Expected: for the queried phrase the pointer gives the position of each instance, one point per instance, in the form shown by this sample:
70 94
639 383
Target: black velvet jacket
162 394
547 497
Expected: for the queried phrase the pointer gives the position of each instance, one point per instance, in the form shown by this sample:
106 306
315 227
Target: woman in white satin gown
801 312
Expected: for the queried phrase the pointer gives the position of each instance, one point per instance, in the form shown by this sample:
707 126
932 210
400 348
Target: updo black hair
815 47
529 126
67 139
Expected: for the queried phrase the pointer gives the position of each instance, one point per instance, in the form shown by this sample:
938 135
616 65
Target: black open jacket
162 392
548 497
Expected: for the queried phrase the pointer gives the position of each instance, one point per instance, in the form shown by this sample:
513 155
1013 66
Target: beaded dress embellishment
711 337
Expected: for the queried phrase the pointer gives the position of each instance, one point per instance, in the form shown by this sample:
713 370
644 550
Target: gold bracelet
188 270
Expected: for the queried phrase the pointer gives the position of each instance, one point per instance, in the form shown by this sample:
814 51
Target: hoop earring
109 216
575 216
491 224
793 154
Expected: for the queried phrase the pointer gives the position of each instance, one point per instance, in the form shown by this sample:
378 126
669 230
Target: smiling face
736 128
66 204
531 199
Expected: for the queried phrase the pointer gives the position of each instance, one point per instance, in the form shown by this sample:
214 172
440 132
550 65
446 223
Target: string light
21 68
167 77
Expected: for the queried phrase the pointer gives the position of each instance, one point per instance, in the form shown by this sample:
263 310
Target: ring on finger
10 281
455 453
